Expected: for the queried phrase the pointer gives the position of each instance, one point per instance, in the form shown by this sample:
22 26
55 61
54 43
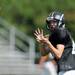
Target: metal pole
12 38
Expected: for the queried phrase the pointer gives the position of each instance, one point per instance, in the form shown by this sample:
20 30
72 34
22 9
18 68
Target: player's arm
58 51
43 59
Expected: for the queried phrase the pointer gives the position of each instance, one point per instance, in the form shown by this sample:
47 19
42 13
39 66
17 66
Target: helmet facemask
52 25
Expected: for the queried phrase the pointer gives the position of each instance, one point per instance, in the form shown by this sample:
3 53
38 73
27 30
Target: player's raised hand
39 36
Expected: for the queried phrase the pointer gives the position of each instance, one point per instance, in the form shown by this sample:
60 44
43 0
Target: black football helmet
59 17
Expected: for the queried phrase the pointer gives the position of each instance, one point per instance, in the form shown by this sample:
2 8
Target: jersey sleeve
62 37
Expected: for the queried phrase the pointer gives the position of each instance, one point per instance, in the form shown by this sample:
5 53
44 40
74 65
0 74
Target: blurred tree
27 15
